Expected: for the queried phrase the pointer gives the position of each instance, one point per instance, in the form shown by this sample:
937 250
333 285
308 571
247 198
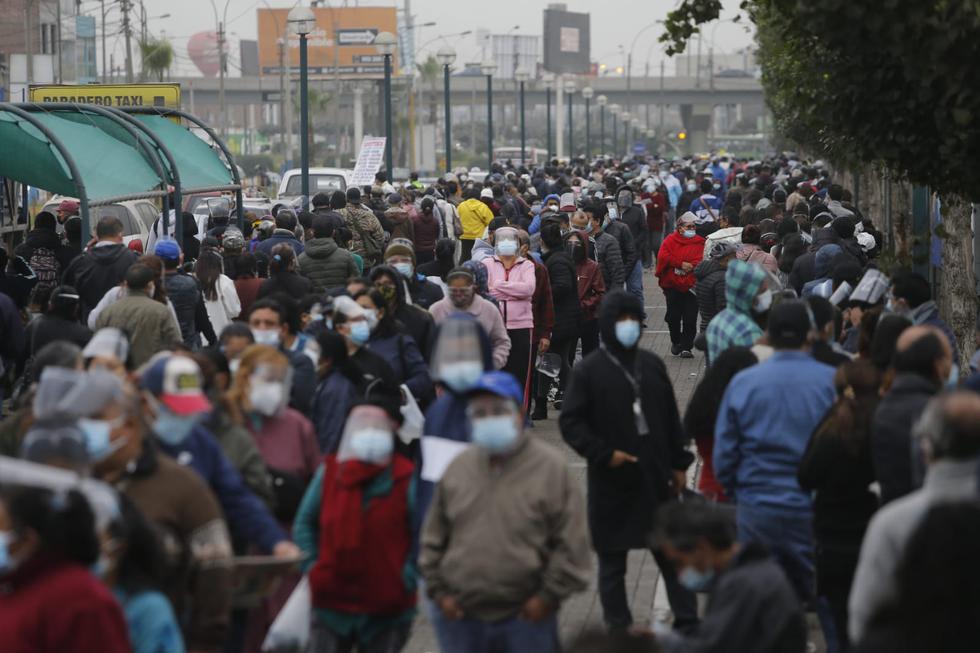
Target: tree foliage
891 81
157 56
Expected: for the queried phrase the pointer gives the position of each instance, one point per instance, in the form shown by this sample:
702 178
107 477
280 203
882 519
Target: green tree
891 84
157 56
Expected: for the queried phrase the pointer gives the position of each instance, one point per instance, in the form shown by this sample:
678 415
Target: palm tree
157 56
430 71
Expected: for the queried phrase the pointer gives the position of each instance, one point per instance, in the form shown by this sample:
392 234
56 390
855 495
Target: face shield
368 437
268 389
505 241
457 359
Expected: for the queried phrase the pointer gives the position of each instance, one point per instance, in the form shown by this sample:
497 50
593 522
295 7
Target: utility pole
221 78
660 130
57 37
282 96
288 103
128 31
28 46
105 61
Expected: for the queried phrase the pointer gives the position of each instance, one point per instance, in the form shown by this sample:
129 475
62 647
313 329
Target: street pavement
646 594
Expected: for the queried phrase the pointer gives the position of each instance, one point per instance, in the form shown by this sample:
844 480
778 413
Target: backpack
46 267
372 248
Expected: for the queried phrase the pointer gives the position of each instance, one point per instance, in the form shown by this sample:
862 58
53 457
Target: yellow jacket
474 216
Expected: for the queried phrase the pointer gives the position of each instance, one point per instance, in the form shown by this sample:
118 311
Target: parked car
322 180
137 216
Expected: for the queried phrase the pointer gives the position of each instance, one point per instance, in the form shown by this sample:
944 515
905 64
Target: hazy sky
613 23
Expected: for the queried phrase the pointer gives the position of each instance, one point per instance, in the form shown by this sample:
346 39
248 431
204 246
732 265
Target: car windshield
318 184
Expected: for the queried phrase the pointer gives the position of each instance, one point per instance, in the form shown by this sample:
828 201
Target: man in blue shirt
765 421
707 206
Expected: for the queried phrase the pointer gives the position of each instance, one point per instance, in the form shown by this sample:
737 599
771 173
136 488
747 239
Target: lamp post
301 22
570 89
488 68
522 76
587 94
385 43
446 56
601 101
614 110
625 117
548 79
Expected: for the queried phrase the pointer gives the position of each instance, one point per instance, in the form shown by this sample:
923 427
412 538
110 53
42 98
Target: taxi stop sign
109 95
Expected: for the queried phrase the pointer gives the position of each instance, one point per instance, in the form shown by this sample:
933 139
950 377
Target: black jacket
564 294
710 290
184 292
751 609
304 381
290 283
597 418
47 238
804 267
97 271
824 353
892 451
48 328
635 217
424 293
627 246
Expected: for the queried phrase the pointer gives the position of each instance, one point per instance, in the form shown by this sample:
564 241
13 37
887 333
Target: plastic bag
413 419
291 629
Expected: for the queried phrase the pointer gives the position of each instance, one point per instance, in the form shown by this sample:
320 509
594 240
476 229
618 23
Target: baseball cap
394 198
487 193
70 206
687 218
790 321
233 239
176 381
566 203
502 384
167 250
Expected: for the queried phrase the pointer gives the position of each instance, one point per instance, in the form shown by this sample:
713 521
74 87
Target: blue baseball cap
167 249
502 384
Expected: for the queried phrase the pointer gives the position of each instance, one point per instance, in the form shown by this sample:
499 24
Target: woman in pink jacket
511 281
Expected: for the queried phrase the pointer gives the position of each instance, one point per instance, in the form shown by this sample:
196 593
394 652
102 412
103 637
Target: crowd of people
333 413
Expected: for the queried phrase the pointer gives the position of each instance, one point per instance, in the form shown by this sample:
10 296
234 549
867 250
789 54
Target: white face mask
268 337
266 397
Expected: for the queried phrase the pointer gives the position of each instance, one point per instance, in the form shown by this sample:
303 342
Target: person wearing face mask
340 382
512 281
354 525
687 197
51 601
633 216
537 545
174 405
911 296
463 298
149 324
474 217
680 253
761 437
351 321
591 290
621 416
607 252
269 321
744 584
417 321
747 295
388 341
419 291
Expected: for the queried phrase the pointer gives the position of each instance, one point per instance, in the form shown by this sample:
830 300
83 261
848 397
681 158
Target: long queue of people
301 429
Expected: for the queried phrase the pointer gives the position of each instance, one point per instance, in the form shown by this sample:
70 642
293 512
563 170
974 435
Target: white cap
487 193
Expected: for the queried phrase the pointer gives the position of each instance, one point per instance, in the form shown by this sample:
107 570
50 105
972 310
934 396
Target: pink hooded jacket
513 289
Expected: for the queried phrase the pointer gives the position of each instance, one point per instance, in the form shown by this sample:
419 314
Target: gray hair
949 428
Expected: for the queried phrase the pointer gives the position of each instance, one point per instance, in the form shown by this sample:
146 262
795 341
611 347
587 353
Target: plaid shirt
734 326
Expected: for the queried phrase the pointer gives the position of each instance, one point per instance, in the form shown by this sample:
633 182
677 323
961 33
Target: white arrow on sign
356 37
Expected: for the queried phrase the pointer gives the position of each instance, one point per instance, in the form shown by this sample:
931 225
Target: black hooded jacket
635 217
564 293
418 322
597 419
96 271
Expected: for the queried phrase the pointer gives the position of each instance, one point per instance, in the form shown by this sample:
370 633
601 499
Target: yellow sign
110 95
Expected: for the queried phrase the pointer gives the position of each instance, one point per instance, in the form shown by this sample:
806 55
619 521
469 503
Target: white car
322 180
137 216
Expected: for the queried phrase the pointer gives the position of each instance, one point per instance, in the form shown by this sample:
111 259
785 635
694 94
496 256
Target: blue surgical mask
404 269
360 332
7 564
461 375
495 434
689 233
96 433
953 380
628 333
696 580
507 248
173 429
372 445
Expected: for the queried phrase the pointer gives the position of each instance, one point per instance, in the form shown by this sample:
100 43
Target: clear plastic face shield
506 242
369 437
457 358
269 387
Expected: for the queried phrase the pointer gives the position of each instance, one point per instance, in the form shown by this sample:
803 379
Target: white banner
369 161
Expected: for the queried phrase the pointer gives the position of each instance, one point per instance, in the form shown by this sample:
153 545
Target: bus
535 155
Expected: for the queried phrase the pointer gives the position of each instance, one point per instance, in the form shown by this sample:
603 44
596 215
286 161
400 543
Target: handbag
413 419
291 629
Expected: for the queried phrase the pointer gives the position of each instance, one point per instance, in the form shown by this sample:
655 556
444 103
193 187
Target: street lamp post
626 118
614 110
570 89
522 76
385 43
488 68
446 56
587 94
548 79
601 101
302 21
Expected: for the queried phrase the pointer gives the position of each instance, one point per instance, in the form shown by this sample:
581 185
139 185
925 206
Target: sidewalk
583 612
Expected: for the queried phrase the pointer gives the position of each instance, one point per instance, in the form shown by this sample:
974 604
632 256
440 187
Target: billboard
110 95
342 41
566 41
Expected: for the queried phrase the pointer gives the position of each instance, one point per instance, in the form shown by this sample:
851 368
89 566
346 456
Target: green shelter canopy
200 165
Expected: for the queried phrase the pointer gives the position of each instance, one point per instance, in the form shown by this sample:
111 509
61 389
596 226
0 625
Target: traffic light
682 135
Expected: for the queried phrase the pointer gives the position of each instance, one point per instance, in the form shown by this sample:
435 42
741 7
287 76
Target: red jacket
363 548
655 210
676 250
50 606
